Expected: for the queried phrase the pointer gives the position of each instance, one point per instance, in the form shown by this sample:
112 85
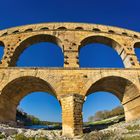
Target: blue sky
120 13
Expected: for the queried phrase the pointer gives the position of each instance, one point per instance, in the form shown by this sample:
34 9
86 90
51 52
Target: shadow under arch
31 41
17 89
124 89
137 45
102 40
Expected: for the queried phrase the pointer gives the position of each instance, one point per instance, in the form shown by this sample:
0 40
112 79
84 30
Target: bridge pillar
72 120
132 109
7 110
71 59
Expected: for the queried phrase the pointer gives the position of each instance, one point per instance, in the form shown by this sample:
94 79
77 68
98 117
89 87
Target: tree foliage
27 119
100 115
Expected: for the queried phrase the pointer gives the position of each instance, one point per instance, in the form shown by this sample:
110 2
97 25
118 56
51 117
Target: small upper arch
135 36
111 31
96 30
124 33
15 32
62 28
44 29
79 28
4 34
28 30
137 45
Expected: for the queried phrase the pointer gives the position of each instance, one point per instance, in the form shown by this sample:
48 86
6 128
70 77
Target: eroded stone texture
70 87
71 84
72 114
70 37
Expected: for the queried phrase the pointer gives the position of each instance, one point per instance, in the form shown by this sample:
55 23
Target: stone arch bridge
70 84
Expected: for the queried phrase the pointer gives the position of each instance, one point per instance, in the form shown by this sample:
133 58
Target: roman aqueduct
70 84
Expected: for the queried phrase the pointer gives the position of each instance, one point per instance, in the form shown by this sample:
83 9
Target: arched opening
106 94
39 50
137 50
35 96
44 29
62 28
28 30
100 102
99 51
1 50
111 31
96 30
16 31
79 28
41 55
4 34
124 33
41 109
135 36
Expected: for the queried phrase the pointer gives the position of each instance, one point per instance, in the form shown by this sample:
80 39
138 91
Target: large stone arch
74 83
102 39
124 89
30 40
17 89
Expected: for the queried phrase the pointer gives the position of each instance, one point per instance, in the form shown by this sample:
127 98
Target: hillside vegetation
101 115
26 120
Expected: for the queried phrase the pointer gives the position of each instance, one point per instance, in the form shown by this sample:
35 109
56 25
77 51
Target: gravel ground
119 131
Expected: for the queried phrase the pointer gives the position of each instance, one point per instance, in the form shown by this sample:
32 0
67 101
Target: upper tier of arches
70 37
70 27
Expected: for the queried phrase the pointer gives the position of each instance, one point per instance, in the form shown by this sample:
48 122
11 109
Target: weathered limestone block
72 115
15 83
70 37
132 109
7 110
